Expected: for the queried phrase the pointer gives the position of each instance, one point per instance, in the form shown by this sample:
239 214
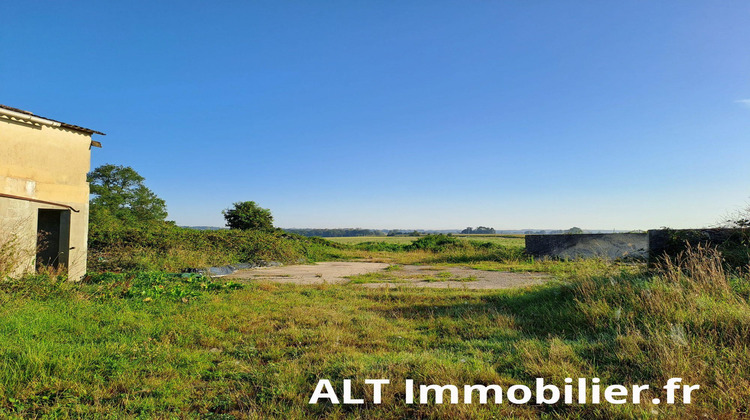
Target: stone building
44 196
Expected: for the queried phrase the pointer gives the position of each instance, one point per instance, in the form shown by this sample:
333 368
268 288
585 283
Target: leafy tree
574 230
248 215
119 191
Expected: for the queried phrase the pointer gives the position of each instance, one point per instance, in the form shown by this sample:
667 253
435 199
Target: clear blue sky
423 114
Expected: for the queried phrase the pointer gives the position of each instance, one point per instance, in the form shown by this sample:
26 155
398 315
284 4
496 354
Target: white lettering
424 391
671 387
329 392
541 387
613 391
568 391
595 391
524 390
637 389
409 388
581 390
483 390
686 391
376 388
348 394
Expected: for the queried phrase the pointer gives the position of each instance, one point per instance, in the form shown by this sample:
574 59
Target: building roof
62 124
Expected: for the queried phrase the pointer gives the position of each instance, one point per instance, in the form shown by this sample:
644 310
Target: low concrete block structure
592 245
44 196
732 242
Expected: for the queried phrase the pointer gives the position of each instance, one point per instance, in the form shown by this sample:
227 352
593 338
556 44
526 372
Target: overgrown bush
436 243
732 244
154 246
380 246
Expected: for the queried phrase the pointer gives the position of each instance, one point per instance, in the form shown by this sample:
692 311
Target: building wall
49 164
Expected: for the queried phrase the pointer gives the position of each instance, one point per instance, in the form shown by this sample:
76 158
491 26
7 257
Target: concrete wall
605 245
50 164
670 242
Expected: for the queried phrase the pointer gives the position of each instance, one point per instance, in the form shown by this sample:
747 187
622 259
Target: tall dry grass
690 319
16 256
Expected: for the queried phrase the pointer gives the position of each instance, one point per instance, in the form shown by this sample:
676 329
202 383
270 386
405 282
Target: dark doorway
53 239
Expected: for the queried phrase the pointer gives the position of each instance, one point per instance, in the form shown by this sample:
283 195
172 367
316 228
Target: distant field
359 239
502 239
506 240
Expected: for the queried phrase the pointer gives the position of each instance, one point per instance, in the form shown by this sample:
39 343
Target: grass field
505 240
159 346
353 240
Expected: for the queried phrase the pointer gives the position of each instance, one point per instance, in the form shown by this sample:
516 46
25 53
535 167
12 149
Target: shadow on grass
480 255
510 320
539 312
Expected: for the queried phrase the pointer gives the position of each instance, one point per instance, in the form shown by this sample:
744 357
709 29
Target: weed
440 278
374 277
149 286
16 255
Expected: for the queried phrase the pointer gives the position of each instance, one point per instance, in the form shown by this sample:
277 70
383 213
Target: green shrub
155 285
156 246
732 244
147 286
380 246
436 243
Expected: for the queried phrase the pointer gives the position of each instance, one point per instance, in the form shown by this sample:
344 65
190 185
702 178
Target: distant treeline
481 230
328 233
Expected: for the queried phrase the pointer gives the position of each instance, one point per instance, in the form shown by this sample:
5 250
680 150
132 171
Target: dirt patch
369 274
325 272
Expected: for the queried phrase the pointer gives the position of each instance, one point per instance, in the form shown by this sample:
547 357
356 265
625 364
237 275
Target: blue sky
424 114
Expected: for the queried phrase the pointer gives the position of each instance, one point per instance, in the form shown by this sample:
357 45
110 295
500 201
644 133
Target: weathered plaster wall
50 164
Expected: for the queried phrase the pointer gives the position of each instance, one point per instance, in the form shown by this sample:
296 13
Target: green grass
441 277
431 249
155 245
374 277
160 246
393 274
353 240
498 239
394 267
75 350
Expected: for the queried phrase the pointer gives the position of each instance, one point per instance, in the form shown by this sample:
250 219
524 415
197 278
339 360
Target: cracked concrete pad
407 275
